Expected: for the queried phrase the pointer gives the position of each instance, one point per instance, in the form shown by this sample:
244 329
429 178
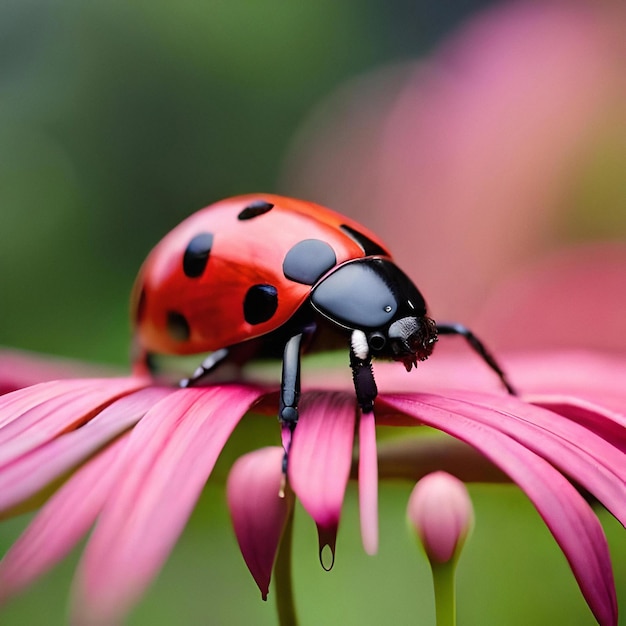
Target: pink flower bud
441 512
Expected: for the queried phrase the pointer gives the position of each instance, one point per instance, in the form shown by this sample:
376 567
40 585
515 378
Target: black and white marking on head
177 326
308 260
254 209
370 248
358 342
260 304
196 255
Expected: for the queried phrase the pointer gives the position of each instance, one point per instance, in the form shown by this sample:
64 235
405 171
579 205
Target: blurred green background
120 118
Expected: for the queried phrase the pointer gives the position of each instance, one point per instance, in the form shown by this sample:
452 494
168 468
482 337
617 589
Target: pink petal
257 511
60 524
31 472
368 483
19 369
605 423
588 459
320 459
170 455
569 518
14 404
32 416
594 376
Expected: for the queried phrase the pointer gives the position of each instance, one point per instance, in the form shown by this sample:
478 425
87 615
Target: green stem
445 592
283 578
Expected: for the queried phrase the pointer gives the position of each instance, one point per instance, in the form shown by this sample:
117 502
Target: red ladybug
263 275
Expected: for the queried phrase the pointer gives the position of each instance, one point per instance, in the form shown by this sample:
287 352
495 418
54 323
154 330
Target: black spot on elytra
308 260
197 255
260 303
254 209
177 326
370 248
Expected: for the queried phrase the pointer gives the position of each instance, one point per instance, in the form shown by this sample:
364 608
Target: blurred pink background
485 166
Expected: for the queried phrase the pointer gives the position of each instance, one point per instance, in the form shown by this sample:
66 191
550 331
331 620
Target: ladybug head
383 308
412 339
408 339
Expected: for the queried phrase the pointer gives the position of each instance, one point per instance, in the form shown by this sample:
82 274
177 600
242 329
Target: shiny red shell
178 314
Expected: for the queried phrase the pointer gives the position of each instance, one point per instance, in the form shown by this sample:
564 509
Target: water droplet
327 557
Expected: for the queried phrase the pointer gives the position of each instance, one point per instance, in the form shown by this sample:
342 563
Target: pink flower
139 454
156 471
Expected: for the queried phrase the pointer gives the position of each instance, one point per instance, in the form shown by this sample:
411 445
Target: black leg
208 365
143 362
364 383
478 346
290 383
289 393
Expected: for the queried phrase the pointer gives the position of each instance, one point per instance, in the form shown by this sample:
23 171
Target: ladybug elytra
264 275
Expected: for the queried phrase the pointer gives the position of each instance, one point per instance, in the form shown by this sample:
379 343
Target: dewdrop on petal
441 512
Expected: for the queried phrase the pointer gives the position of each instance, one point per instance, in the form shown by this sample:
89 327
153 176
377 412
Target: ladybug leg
208 365
362 373
290 383
290 392
143 363
477 345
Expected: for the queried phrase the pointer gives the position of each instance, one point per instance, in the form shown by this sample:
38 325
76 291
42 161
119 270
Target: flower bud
441 512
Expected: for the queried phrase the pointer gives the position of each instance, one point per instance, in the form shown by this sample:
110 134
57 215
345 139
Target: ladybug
268 276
